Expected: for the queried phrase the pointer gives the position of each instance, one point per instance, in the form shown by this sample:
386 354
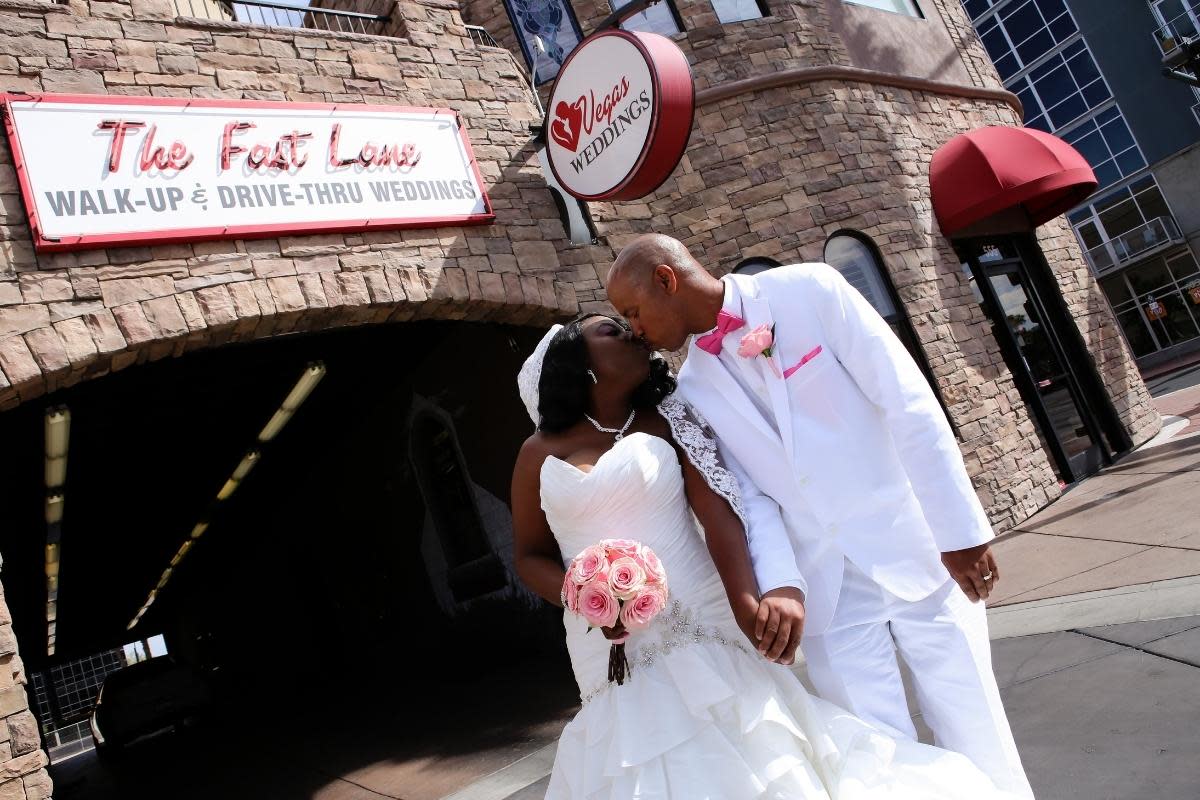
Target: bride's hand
745 613
780 624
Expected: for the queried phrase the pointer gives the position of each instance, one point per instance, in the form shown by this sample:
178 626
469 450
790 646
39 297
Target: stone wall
22 761
70 316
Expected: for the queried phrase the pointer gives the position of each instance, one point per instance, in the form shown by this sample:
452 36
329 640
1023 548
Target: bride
709 710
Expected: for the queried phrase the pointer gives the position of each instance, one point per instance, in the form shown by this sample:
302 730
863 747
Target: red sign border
674 85
181 235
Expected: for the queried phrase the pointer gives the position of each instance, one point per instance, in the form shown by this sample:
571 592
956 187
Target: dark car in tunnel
146 698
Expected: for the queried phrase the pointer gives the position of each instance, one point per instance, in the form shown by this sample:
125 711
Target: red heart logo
568 124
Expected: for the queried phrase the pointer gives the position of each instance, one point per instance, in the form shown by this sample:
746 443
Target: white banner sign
98 171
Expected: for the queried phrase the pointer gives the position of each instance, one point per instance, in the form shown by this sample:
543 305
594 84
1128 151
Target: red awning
989 170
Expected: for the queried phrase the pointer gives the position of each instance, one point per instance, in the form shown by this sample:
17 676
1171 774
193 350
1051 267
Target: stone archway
166 309
157 310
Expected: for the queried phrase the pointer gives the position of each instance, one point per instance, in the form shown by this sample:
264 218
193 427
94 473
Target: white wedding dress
703 716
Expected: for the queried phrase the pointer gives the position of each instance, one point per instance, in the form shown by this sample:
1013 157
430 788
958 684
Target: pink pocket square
816 351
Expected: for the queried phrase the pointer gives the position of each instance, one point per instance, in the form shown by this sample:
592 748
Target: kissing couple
801 487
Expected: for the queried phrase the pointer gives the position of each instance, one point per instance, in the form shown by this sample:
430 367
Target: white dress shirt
745 371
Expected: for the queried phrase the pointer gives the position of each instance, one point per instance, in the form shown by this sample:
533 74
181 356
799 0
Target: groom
864 530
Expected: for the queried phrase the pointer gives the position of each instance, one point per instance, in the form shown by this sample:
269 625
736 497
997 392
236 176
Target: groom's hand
779 624
974 569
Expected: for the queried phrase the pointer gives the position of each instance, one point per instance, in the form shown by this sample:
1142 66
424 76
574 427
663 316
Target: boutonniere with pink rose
760 342
620 584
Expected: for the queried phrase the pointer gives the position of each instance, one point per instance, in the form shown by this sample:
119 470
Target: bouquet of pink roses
616 581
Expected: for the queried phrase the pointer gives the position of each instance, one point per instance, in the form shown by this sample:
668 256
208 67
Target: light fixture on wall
308 381
199 530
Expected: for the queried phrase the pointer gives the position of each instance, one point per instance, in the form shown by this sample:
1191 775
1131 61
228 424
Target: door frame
1095 406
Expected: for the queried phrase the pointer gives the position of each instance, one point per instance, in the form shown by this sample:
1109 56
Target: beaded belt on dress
677 629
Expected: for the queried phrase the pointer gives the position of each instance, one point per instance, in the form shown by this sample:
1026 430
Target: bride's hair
564 387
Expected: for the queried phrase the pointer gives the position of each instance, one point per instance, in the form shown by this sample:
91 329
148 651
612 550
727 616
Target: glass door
1035 352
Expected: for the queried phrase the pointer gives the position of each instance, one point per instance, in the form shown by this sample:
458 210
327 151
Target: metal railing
481 36
1141 241
283 15
63 743
1179 30
1196 112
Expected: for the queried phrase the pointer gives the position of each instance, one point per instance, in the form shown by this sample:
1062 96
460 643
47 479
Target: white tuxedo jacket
858 462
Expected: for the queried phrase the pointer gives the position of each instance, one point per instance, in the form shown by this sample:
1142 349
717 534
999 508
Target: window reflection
739 10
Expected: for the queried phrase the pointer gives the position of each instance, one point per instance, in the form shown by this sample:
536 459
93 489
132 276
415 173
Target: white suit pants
944 641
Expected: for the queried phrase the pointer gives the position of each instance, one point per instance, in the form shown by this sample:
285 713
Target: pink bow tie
726 323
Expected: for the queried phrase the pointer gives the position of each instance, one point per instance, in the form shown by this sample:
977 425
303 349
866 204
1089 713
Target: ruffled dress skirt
715 721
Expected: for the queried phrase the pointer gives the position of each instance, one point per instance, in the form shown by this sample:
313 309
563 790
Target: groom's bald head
658 286
638 260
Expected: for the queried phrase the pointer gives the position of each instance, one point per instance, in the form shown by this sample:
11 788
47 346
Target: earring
594 378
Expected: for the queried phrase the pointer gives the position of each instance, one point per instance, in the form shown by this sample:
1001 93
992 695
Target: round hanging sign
620 115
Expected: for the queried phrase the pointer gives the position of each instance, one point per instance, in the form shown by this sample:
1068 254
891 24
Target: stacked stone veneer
70 316
22 761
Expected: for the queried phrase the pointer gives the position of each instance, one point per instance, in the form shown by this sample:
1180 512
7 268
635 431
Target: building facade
1092 73
815 126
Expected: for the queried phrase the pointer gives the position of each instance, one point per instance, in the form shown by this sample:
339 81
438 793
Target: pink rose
643 608
571 594
588 563
626 577
653 567
757 342
597 605
618 548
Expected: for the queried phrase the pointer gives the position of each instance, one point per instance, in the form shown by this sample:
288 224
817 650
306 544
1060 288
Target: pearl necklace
620 432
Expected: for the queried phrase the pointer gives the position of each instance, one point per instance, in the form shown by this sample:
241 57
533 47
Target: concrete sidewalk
1136 522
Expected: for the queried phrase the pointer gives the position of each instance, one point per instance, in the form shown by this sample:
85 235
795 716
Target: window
855 256
1106 142
1182 17
1157 303
1023 32
661 18
740 10
862 270
977 8
551 21
908 8
1119 212
1061 89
